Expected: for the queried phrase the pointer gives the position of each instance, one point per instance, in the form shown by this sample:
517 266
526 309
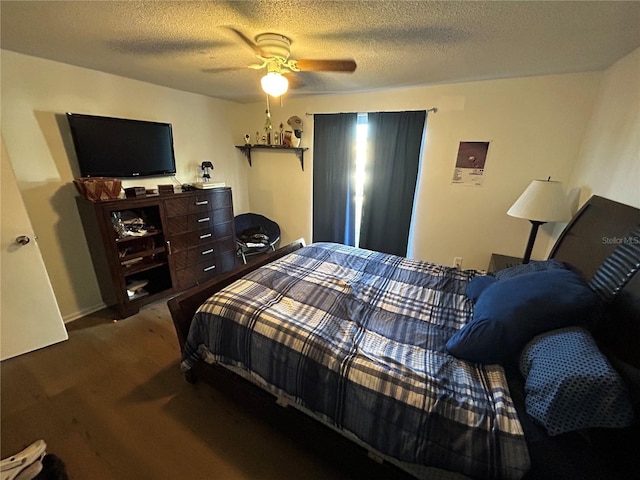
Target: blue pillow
511 312
570 385
535 266
477 285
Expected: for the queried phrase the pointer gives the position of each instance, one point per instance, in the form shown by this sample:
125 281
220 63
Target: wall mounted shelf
299 151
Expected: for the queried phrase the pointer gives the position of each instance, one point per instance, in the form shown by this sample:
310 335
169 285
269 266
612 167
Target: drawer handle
205 219
206 269
203 202
207 252
168 247
206 235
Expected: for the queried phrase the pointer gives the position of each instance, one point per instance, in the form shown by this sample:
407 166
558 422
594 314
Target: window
365 168
359 171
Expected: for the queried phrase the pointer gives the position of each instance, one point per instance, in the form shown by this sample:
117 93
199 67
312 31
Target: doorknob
22 240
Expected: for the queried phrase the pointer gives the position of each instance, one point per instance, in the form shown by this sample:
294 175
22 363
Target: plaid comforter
358 337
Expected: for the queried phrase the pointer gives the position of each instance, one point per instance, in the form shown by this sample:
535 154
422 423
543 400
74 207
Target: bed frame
587 240
183 307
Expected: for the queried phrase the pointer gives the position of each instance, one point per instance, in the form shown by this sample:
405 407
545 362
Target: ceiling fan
274 50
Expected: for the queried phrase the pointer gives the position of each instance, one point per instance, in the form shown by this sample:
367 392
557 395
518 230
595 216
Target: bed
361 341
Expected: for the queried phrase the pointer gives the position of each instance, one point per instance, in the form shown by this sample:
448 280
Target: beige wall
538 127
609 160
535 126
35 94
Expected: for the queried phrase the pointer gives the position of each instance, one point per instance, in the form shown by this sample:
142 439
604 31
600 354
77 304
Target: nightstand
500 262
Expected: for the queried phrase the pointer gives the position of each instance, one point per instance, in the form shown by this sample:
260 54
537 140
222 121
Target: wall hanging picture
470 163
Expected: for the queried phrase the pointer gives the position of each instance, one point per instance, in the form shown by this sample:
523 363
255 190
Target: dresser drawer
184 205
192 256
188 240
198 202
197 273
223 231
226 245
204 236
227 260
198 221
216 198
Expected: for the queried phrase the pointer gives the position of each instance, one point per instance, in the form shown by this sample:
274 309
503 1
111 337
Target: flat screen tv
118 147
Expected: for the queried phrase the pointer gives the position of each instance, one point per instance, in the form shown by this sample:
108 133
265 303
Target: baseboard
85 311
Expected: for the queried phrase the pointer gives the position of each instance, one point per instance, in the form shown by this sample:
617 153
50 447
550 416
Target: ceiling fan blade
154 46
295 80
222 69
256 49
326 65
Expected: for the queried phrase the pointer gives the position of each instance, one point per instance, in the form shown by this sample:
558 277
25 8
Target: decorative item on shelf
136 288
268 126
131 262
118 225
135 192
295 122
247 139
281 134
543 201
128 224
165 189
257 138
98 188
206 166
287 139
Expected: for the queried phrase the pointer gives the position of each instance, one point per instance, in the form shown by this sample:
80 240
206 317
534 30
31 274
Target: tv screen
118 147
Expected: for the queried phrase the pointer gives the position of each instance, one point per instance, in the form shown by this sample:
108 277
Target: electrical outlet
457 262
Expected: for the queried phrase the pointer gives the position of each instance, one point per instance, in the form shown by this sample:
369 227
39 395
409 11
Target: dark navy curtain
334 150
395 142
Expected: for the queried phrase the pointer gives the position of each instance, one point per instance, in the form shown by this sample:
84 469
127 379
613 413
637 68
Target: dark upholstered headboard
594 232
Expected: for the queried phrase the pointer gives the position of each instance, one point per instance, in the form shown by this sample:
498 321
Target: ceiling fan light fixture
274 84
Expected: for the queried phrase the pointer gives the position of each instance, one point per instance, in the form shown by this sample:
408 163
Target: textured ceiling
191 45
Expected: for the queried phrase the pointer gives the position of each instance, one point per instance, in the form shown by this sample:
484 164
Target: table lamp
543 201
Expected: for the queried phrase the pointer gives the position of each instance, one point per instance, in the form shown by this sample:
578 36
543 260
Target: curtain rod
432 109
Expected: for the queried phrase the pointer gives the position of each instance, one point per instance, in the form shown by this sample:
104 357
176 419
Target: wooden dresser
201 235
186 239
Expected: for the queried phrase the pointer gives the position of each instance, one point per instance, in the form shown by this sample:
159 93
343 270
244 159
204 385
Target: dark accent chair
255 234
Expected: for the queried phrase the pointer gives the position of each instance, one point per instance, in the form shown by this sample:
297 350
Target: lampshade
274 83
542 201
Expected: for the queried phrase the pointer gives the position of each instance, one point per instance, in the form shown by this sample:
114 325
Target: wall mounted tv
118 147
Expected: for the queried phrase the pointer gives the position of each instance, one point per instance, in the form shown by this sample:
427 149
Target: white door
29 318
